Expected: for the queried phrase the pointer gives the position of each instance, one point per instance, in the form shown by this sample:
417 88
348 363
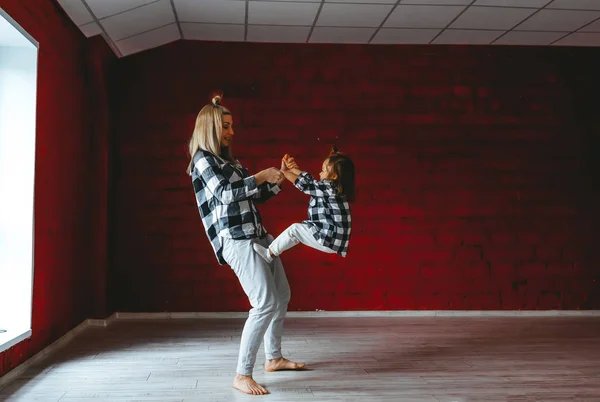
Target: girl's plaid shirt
328 213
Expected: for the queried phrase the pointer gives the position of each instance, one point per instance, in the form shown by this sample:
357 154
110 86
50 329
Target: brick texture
475 173
70 177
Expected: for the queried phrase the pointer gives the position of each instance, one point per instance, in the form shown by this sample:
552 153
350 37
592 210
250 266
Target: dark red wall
70 177
475 175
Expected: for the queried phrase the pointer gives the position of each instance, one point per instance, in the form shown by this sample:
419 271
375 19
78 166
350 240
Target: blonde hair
207 133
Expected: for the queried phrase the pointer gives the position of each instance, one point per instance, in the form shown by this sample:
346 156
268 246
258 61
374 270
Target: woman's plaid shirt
226 198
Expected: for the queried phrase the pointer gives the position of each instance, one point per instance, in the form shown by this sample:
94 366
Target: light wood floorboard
420 359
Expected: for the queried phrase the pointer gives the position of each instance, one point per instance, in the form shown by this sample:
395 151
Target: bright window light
18 87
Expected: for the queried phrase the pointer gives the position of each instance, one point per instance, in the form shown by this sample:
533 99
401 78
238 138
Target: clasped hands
288 163
277 176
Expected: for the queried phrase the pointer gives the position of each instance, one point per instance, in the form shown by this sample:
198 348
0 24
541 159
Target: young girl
329 225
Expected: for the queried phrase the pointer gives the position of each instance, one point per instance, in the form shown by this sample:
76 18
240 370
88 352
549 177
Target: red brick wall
70 275
473 170
100 61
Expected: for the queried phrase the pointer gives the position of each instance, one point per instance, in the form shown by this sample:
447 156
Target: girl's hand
291 163
283 163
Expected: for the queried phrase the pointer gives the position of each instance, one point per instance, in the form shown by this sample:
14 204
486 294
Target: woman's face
226 130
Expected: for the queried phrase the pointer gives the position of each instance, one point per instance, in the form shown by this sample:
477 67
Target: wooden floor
437 359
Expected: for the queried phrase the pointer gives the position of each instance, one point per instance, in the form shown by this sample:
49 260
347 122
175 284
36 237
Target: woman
226 196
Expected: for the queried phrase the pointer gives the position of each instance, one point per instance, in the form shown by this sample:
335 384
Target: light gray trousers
294 234
268 291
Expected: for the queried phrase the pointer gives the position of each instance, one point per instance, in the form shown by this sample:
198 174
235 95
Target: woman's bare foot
282 364
247 385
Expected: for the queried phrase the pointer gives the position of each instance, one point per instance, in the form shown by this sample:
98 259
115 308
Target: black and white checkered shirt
226 198
328 214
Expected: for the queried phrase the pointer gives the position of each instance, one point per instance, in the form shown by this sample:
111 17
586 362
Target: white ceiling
131 26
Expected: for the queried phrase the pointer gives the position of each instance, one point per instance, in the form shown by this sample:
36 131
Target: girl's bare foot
282 364
247 385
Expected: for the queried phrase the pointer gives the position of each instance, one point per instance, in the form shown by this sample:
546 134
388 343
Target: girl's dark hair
343 167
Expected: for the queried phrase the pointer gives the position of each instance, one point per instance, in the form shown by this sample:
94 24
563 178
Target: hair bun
216 100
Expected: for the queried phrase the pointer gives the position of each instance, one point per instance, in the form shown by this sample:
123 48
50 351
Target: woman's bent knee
266 305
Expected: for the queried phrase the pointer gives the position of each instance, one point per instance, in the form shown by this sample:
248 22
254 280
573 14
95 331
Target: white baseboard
12 337
518 313
41 355
102 322
384 313
65 339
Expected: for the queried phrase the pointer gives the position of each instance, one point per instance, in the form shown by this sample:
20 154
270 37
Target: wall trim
41 355
11 338
383 313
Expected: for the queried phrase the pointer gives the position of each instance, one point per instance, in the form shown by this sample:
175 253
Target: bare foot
282 364
247 385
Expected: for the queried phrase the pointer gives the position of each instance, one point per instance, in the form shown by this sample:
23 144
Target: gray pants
268 291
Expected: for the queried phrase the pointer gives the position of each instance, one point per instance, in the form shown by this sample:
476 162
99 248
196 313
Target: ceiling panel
277 34
135 25
213 32
363 1
467 37
211 11
529 38
513 3
575 4
580 39
261 12
106 8
341 35
593 27
558 20
406 36
438 2
77 11
491 18
353 15
91 29
139 20
149 40
422 16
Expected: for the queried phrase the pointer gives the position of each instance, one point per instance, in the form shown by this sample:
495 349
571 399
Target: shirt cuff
251 187
301 180
275 188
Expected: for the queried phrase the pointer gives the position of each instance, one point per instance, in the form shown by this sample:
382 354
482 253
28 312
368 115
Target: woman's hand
271 175
280 181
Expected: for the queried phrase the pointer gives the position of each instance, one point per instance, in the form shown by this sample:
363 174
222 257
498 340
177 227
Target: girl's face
226 130
326 173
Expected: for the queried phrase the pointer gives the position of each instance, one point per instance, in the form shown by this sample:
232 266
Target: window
18 85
